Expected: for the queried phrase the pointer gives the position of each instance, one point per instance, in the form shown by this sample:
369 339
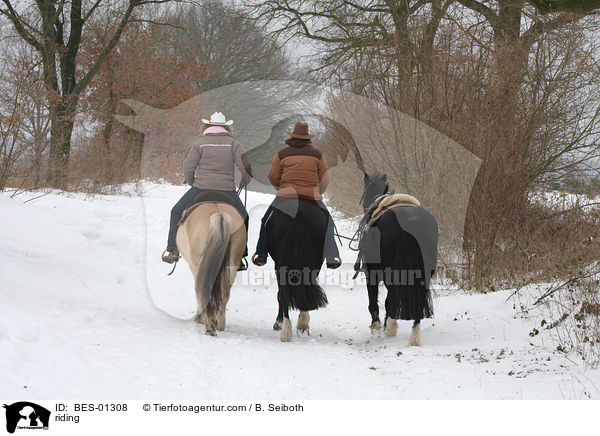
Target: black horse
400 250
295 239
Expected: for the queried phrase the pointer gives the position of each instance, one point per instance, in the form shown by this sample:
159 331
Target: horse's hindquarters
401 264
212 241
296 245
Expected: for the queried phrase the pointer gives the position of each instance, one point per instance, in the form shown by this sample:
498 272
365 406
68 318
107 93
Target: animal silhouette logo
26 415
356 134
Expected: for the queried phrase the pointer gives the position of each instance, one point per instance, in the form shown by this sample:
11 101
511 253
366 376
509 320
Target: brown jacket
299 171
210 162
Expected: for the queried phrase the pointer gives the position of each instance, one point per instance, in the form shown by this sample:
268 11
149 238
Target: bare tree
500 192
233 47
12 142
579 6
55 29
502 78
391 39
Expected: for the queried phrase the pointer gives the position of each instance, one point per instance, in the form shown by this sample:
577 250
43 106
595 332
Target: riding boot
171 256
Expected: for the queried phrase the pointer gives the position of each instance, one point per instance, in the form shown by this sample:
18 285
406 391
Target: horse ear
367 178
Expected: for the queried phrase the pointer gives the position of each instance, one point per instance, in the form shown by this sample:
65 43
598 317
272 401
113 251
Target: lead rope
352 239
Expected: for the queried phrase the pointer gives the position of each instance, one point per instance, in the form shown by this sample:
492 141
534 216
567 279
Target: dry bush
550 241
568 309
95 169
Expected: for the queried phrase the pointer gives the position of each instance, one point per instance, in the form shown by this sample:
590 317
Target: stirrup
259 259
170 256
333 262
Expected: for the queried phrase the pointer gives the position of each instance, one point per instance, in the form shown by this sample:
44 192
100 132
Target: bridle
357 235
362 198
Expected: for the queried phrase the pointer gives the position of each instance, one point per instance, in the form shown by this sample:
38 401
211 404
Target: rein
239 191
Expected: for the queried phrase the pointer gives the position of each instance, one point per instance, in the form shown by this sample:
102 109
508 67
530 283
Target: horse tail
415 292
300 264
213 268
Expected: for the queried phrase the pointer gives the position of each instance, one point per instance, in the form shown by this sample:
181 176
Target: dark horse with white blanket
399 248
295 239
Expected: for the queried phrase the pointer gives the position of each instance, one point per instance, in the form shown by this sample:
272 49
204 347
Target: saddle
207 197
388 201
382 204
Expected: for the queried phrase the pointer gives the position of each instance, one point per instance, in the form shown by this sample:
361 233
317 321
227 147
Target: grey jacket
210 163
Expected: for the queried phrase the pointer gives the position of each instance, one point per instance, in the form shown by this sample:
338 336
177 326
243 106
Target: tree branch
576 6
19 25
91 11
112 43
541 27
482 9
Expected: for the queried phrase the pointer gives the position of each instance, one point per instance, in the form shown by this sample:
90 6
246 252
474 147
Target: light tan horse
212 240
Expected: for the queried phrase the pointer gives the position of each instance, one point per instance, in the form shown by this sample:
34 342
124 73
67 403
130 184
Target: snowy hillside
87 311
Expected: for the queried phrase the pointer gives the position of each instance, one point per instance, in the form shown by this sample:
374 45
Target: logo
26 415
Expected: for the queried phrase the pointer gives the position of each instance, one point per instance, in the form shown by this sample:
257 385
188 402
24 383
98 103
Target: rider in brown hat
299 170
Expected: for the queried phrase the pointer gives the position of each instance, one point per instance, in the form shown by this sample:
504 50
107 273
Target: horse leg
392 306
210 324
415 334
286 327
221 315
200 317
391 327
210 327
221 319
279 319
373 290
302 326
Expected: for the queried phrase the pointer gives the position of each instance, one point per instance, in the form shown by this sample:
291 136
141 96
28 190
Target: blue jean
331 249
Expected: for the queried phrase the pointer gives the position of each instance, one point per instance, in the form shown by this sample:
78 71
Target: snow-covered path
87 311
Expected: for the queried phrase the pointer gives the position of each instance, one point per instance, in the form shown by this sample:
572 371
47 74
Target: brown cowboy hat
300 131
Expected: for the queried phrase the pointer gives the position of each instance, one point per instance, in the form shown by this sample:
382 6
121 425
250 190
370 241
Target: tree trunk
499 194
38 149
62 122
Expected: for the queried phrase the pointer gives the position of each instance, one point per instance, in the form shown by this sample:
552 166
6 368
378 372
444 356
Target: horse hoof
375 328
391 328
211 333
415 336
303 323
286 331
300 332
277 325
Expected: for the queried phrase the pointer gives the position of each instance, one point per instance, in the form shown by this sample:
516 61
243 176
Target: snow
87 311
